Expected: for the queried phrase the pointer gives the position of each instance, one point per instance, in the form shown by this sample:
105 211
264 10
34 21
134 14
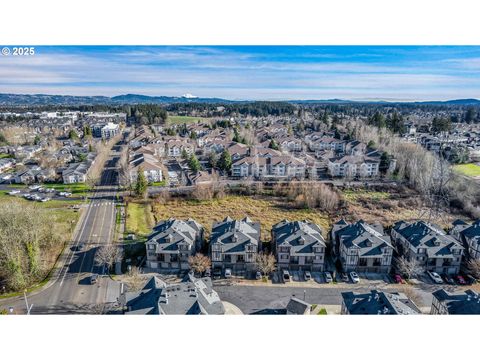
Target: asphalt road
70 290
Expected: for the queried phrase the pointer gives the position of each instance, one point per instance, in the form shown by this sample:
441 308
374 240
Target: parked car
208 273
228 273
258 275
470 280
461 280
13 192
307 276
286 275
345 277
435 277
354 277
81 247
93 279
398 279
328 277
448 279
217 273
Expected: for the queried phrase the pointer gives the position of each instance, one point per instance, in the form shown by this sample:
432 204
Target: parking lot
38 193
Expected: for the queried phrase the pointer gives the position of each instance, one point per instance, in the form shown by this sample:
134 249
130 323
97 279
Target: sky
395 73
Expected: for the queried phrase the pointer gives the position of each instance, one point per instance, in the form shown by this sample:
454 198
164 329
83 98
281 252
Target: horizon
249 73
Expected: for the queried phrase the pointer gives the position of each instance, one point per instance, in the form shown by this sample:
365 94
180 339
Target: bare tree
134 279
409 268
108 255
199 263
265 263
473 267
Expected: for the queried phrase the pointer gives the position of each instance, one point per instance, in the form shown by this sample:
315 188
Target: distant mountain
42 99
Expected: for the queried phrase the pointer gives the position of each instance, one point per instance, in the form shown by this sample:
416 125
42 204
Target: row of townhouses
300 245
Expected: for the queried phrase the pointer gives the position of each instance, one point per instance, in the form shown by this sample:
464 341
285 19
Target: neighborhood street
69 290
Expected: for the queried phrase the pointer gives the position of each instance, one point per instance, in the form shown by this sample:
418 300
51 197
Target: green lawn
79 188
139 219
4 156
185 119
471 170
354 195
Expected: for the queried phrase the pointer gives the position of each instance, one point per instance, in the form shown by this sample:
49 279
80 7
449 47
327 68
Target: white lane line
75 243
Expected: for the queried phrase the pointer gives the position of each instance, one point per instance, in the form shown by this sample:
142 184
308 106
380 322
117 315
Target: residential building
76 173
377 303
277 167
362 247
469 236
299 245
351 166
105 131
190 297
175 147
172 242
234 244
152 168
298 307
459 303
428 245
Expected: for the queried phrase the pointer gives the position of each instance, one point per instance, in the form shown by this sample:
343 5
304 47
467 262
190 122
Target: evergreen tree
141 184
225 161
273 145
194 164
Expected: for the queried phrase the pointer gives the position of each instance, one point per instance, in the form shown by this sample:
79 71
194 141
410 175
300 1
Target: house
190 297
234 244
105 131
151 167
362 247
276 167
238 151
6 164
469 236
171 242
428 245
299 245
445 303
75 173
377 303
298 307
354 166
175 147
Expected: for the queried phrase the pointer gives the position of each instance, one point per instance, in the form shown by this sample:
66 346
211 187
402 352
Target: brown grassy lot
267 211
387 207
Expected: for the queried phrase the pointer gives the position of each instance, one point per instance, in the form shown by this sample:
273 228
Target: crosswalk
104 203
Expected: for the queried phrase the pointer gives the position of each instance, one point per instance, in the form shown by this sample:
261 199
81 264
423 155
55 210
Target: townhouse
362 247
150 166
469 236
428 245
234 244
351 166
299 245
192 296
277 167
172 242
176 147
377 303
458 303
75 173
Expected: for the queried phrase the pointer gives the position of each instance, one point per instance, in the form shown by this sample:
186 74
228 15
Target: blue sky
249 72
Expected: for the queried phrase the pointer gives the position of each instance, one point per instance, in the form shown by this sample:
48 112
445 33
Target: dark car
470 280
208 273
448 279
217 273
93 279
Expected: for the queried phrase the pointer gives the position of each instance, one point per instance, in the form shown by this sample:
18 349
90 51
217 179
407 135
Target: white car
328 277
13 192
307 276
34 187
228 273
354 277
435 277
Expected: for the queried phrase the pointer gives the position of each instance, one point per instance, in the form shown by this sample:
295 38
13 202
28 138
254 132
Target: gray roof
369 239
470 232
297 307
235 235
301 236
171 233
379 303
459 303
190 297
429 236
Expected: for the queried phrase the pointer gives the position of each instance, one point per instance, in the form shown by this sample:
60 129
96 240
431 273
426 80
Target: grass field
471 170
77 189
5 156
351 195
268 211
139 219
172 120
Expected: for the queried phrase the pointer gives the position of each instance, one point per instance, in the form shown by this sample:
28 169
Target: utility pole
29 308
